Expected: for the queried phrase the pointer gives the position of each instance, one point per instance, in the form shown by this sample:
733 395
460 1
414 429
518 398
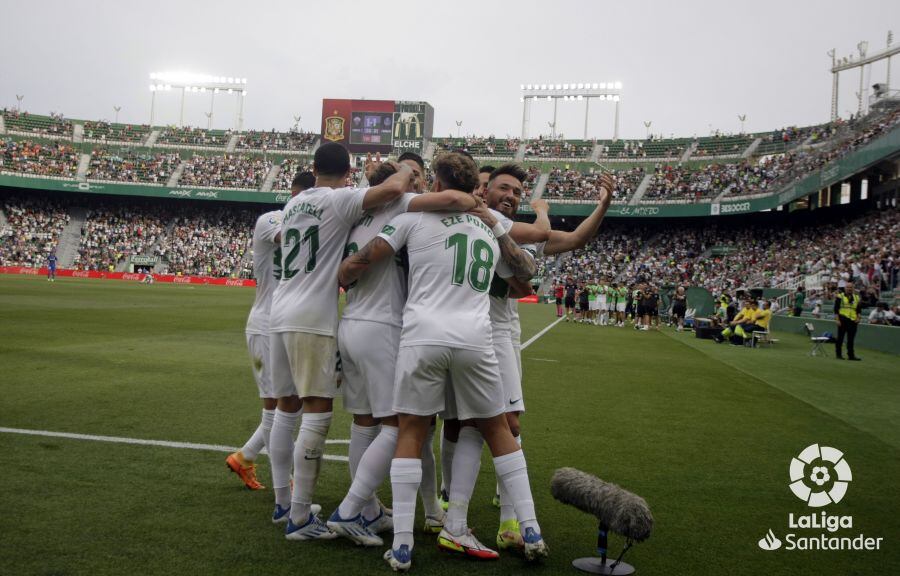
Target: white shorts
303 364
620 307
602 304
368 360
510 376
593 304
459 383
258 346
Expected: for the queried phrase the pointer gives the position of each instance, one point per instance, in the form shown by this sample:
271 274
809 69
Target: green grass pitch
704 432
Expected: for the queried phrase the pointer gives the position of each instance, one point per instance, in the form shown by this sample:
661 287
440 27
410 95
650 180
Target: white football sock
281 449
466 465
428 488
268 418
448 449
507 509
307 461
360 439
406 475
373 469
513 474
254 444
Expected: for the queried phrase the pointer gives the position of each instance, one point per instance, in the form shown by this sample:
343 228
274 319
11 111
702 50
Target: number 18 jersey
314 230
452 258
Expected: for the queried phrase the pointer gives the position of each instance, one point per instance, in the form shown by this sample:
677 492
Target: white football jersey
452 258
503 310
266 270
314 230
380 293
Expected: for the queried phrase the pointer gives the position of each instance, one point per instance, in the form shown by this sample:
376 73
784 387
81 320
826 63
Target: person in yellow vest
742 317
757 321
847 312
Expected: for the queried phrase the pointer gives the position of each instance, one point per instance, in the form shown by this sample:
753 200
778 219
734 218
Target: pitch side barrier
130 276
838 171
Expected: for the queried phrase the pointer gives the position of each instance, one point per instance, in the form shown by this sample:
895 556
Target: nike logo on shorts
514 401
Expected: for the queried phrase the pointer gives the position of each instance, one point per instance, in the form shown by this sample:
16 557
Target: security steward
847 312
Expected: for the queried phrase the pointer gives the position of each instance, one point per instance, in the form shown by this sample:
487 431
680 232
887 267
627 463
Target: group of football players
430 329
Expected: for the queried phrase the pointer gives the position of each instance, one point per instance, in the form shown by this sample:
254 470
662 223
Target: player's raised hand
372 165
483 212
607 185
540 205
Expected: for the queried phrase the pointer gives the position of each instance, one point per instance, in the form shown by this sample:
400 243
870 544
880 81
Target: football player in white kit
303 322
267 271
368 339
446 355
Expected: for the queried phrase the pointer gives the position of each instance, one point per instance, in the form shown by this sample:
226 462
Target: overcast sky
686 66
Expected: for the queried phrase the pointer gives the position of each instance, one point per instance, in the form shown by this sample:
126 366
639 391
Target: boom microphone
621 511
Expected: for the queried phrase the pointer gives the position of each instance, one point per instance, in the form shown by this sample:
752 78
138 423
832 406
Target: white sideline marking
143 442
531 340
542 359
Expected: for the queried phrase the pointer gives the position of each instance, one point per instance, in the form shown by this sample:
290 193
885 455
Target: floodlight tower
839 65
576 91
199 83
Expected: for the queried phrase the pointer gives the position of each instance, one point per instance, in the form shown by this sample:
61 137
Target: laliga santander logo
814 469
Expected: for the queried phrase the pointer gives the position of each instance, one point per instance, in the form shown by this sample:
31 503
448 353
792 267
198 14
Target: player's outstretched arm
446 201
353 266
391 189
564 241
520 262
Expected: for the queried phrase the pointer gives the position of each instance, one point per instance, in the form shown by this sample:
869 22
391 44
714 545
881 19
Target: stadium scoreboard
386 126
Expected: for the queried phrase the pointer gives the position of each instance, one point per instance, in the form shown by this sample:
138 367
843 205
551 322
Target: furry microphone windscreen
624 513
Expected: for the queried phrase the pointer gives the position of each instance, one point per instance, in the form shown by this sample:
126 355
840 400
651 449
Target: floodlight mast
165 81
569 92
839 65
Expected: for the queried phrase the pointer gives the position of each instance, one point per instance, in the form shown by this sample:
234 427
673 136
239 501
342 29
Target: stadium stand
722 145
271 140
559 148
34 225
480 146
195 137
228 171
102 131
50 159
289 168
208 242
132 165
865 250
638 149
54 125
113 233
577 185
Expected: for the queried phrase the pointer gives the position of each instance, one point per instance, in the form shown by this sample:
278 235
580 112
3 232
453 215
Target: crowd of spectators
228 171
131 165
677 182
194 136
32 231
208 242
481 145
272 140
105 131
40 159
54 125
111 234
865 250
571 184
289 168
653 147
546 148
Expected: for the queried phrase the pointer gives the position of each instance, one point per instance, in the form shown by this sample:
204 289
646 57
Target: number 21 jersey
314 231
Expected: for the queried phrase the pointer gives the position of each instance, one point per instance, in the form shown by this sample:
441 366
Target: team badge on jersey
388 230
334 128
